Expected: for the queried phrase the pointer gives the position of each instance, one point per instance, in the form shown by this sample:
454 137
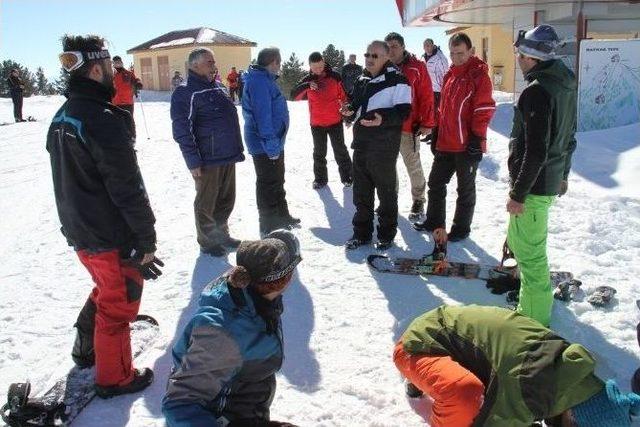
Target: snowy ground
341 319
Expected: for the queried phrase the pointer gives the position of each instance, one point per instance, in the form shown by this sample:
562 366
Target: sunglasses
371 55
73 60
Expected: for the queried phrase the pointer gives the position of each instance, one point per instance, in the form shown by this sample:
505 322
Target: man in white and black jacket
381 101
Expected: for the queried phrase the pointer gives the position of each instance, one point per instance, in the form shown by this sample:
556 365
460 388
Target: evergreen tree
333 57
60 85
290 75
27 77
42 84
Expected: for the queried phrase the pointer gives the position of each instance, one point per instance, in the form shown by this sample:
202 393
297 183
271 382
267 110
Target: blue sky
31 29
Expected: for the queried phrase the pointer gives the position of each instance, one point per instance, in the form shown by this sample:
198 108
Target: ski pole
144 118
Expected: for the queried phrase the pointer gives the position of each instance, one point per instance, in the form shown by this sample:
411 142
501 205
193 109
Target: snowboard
70 394
428 267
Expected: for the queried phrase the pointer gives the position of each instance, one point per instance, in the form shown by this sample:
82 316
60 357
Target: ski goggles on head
72 60
537 45
293 246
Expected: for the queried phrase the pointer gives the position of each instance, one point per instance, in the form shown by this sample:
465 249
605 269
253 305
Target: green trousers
527 238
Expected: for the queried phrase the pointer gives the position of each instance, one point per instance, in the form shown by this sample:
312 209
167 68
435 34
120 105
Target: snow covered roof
193 37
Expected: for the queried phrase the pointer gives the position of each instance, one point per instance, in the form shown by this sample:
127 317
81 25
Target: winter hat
264 263
607 408
539 43
116 58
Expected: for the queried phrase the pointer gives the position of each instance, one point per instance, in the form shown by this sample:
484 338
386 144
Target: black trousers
340 153
16 97
443 168
273 210
375 171
234 93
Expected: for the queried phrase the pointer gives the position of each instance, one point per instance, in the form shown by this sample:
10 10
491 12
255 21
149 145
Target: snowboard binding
20 411
439 254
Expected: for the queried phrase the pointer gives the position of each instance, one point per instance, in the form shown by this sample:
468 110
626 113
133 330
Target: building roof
193 37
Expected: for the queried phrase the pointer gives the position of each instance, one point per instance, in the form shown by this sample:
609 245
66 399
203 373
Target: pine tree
290 75
60 85
333 57
41 82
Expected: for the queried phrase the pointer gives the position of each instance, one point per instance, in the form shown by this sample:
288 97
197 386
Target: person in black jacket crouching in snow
381 101
105 214
226 359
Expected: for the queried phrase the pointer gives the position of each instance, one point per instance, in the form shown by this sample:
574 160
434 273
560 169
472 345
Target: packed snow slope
341 319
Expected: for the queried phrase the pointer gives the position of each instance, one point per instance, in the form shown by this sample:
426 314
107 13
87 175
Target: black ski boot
142 379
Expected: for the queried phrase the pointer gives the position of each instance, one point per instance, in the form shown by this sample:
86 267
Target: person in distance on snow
420 121
323 88
232 79
16 88
226 359
490 366
206 126
381 102
542 143
266 122
350 73
127 86
437 66
176 80
105 214
464 114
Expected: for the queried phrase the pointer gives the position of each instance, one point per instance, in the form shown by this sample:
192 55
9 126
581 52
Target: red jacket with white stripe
422 113
466 106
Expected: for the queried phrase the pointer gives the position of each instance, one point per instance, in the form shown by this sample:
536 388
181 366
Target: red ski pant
457 393
117 293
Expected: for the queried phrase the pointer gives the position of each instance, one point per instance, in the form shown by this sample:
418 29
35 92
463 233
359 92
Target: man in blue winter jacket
205 124
266 121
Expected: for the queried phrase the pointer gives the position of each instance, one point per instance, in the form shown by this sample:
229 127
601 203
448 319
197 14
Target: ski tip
146 318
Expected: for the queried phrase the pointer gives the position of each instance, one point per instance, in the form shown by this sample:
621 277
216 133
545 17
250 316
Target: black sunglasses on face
371 55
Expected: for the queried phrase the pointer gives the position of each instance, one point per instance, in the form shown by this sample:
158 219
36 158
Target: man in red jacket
126 85
323 88
419 123
232 79
466 107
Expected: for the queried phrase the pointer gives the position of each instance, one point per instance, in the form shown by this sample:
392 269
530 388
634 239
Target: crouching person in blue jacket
226 359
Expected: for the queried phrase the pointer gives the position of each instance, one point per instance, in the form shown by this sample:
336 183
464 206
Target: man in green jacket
490 366
542 143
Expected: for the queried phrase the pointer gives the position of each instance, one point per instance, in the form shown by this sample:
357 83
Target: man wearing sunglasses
105 214
380 103
540 150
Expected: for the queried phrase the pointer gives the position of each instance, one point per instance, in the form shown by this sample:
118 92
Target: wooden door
163 73
146 73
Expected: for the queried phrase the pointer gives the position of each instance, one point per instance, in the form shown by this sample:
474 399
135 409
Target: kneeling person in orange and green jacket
489 366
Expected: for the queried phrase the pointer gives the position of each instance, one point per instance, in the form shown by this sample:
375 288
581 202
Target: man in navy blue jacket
266 121
205 124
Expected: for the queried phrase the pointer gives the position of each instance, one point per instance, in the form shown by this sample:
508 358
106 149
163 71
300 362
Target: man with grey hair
206 126
380 103
266 121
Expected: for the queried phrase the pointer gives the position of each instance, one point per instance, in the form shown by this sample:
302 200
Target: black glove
149 270
502 284
474 148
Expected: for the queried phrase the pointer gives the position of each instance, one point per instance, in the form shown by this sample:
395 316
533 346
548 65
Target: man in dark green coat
490 366
542 143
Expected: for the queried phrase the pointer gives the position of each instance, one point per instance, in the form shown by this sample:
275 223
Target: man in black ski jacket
381 101
105 214
350 73
16 88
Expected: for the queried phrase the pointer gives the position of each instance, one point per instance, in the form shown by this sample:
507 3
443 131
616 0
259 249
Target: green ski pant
527 238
